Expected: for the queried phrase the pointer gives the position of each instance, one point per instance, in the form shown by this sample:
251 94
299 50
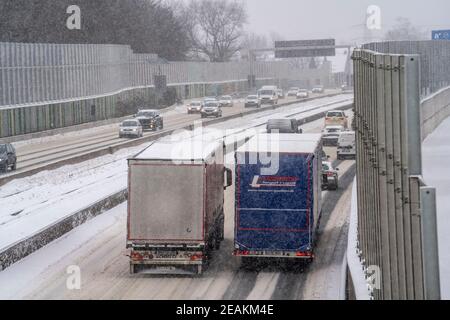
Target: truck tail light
303 254
330 174
241 252
136 256
196 256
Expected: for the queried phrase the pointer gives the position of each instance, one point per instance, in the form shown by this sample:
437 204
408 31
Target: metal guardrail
396 211
35 73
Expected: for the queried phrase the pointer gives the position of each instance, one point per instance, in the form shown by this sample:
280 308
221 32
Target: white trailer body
175 206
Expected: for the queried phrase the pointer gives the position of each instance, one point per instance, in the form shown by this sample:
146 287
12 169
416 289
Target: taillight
330 174
303 254
136 256
197 256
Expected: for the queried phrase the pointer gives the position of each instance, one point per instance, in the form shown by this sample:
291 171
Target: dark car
330 177
8 158
283 126
150 119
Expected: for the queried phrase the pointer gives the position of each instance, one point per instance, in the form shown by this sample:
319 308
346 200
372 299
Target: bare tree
254 41
404 30
216 27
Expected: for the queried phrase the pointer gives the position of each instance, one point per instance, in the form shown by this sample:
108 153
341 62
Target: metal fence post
430 243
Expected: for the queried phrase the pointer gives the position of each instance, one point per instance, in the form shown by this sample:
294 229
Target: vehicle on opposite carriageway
194 107
252 101
226 101
150 119
292 92
302 94
131 128
8 158
211 109
268 95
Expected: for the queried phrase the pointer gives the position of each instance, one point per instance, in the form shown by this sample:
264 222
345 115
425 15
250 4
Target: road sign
441 35
309 52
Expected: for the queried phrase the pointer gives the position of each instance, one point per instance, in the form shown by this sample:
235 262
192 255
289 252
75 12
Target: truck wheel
132 270
14 167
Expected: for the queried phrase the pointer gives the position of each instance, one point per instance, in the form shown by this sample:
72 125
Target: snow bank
435 154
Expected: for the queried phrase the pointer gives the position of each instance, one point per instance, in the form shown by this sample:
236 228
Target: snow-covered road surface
32 203
98 249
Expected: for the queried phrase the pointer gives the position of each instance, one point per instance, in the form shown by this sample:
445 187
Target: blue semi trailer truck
278 196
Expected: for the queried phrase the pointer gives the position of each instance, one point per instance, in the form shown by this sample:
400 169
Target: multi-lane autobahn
98 249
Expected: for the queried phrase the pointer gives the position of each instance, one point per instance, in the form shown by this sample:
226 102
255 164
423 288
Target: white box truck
268 95
175 206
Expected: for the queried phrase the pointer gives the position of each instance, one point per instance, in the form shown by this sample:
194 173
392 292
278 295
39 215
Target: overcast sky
340 19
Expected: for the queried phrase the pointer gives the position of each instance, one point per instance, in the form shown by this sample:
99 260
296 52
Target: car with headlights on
252 101
226 101
211 109
150 119
8 158
302 94
280 93
318 89
293 92
131 128
194 107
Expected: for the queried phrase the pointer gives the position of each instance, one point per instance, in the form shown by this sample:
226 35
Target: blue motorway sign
441 35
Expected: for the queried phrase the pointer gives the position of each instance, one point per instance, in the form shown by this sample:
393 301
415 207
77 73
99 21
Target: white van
346 147
268 95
